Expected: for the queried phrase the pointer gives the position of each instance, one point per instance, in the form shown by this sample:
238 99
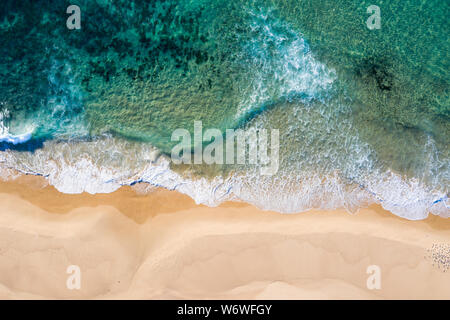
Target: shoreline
161 245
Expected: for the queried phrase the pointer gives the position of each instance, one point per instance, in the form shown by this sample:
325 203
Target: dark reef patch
378 69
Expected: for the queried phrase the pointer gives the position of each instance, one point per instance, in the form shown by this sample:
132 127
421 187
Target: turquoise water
363 114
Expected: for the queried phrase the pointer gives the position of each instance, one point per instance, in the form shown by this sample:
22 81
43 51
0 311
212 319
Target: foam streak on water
281 64
6 136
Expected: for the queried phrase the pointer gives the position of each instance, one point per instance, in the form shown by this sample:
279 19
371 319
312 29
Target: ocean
363 114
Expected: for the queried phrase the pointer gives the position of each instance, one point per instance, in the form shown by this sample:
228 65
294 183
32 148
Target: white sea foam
76 168
15 139
6 136
282 65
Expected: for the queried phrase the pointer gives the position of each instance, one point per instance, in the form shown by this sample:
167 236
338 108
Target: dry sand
162 245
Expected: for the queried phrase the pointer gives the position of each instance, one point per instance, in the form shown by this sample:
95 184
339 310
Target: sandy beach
163 246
